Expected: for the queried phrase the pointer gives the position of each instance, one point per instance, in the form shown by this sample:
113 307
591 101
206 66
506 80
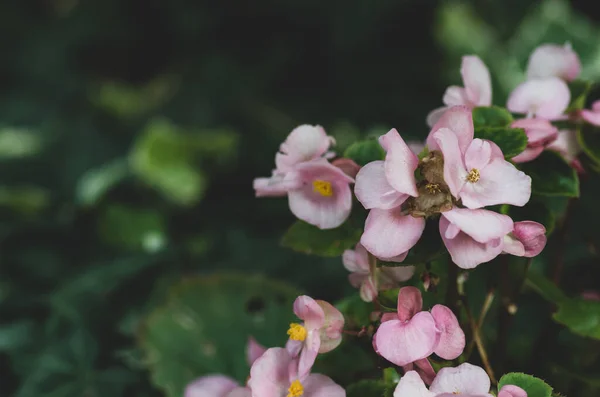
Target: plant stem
504 316
489 299
478 341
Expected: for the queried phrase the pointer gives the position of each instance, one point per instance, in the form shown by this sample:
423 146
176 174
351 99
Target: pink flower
544 98
304 143
275 374
413 334
216 386
540 133
551 60
371 281
592 116
477 90
349 167
465 380
473 237
567 145
527 239
320 332
511 391
254 350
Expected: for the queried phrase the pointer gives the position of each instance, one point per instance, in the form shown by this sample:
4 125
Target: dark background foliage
130 132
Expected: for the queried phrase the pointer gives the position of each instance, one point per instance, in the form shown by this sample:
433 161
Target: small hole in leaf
255 305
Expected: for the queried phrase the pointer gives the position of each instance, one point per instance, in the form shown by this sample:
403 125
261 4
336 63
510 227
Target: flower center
323 188
296 389
297 332
433 188
473 175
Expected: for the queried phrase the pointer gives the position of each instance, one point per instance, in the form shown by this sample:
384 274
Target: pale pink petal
388 317
513 246
591 117
356 260
357 279
317 385
532 235
410 302
459 120
402 343
477 80
435 115
398 258
240 392
269 375
348 166
464 379
275 186
331 331
539 132
368 290
307 309
551 60
467 253
411 385
478 154
455 174
566 145
294 347
546 98
304 143
309 353
373 190
388 233
528 154
425 370
389 277
400 163
452 339
416 146
455 96
254 350
499 183
210 386
512 391
482 225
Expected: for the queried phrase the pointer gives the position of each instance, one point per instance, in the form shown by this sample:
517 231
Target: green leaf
370 388
512 141
309 239
133 228
552 176
533 386
589 139
545 287
491 117
581 316
94 184
579 92
27 200
205 326
364 152
19 143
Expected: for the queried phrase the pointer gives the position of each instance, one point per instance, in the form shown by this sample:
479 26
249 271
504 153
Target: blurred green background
131 130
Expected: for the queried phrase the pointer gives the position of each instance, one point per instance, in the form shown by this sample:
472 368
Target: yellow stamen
323 188
433 188
297 332
473 175
296 389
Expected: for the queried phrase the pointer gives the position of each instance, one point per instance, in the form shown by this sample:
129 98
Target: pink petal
452 339
411 385
566 145
539 132
398 258
528 155
455 96
307 309
512 391
309 353
357 279
317 385
240 392
390 277
254 350
331 331
425 370
269 375
500 183
467 253
210 386
452 231
410 302
513 246
348 166
478 154
464 379
459 120
455 173
477 80
388 233
388 317
294 347
435 115
274 186
373 190
400 163
402 343
481 225
551 60
356 260
532 235
368 290
591 117
547 98
304 143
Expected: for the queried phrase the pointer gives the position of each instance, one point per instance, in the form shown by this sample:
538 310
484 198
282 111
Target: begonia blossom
544 98
320 332
216 386
551 60
511 391
592 116
540 133
304 143
412 334
527 239
371 279
567 145
275 374
254 350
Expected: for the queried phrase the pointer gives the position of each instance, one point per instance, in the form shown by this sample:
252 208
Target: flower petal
455 96
240 392
368 290
373 190
532 235
478 154
499 183
307 309
482 225
591 116
317 385
400 163
390 277
210 386
512 391
348 166
528 155
452 339
459 120
309 353
435 115
388 233
356 260
546 98
402 343
254 350
304 143
513 246
411 385
275 186
567 145
464 379
455 173
410 302
551 60
425 370
269 375
331 331
539 132
477 80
